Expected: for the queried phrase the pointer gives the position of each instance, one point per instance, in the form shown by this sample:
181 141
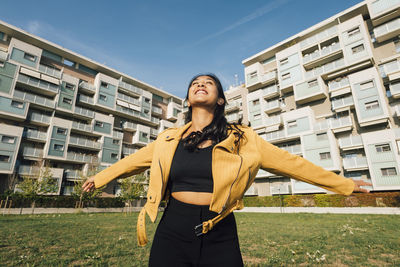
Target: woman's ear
220 101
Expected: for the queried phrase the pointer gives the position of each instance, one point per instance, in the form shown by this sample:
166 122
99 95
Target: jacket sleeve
133 164
281 162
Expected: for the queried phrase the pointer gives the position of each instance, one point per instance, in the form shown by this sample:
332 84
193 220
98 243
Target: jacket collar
228 143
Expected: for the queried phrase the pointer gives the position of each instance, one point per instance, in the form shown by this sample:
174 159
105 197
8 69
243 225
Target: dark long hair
217 130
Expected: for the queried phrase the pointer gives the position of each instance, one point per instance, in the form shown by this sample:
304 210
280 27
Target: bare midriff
195 198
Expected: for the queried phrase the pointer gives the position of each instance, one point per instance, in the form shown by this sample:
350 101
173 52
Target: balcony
259 80
272 106
28 170
339 87
396 110
84 143
262 174
351 142
83 112
379 7
131 88
128 150
35 83
129 99
272 123
355 163
32 152
293 149
129 126
3 56
118 135
316 38
84 99
395 89
390 70
233 117
232 106
39 118
51 71
387 31
325 69
35 135
127 111
156 110
341 124
308 92
73 175
342 104
321 126
82 127
35 99
82 158
153 132
326 54
275 136
87 87
270 92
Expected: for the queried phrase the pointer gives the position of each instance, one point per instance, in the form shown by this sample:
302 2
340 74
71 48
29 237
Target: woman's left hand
358 183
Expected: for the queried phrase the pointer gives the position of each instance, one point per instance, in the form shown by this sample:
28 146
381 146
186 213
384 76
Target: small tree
133 187
78 192
40 182
11 182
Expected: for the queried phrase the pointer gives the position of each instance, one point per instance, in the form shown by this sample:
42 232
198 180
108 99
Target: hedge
378 199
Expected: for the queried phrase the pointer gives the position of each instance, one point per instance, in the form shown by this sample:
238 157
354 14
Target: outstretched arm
282 162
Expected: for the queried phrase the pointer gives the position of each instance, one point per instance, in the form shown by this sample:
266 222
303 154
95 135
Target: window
325 155
103 97
99 124
312 83
2 35
286 76
291 124
143 134
397 46
69 62
69 86
358 49
58 147
29 57
17 104
372 105
8 139
284 61
115 141
382 148
256 102
353 32
104 84
61 131
147 100
1 63
257 116
253 75
67 101
4 158
322 136
367 85
388 171
114 155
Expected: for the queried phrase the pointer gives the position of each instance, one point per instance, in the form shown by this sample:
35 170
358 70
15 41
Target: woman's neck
201 117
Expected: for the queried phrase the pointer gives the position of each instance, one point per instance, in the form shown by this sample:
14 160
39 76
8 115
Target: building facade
331 94
66 111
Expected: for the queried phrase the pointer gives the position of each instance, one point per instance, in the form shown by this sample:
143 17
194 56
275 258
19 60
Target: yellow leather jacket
234 167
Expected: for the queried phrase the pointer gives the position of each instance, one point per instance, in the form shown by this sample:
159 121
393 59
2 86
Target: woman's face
203 92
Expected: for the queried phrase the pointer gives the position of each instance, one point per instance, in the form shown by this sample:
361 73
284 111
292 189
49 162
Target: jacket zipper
162 177
237 176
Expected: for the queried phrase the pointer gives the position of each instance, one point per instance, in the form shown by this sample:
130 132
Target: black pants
175 243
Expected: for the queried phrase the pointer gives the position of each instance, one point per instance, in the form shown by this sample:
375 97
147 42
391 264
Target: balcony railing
35 134
389 68
130 87
342 102
86 99
82 126
127 110
340 122
73 174
87 86
355 163
50 71
28 151
270 90
295 149
321 53
128 150
350 141
129 125
276 135
84 142
42 101
234 105
35 82
84 112
81 157
153 132
155 120
39 117
129 99
318 37
273 120
156 110
334 85
118 135
379 6
386 28
28 170
272 105
325 68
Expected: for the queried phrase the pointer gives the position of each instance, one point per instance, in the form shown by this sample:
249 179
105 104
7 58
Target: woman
203 170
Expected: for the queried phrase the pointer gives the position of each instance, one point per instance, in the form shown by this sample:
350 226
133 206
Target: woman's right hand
88 185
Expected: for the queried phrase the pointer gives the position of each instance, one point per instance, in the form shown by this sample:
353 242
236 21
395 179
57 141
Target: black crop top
191 171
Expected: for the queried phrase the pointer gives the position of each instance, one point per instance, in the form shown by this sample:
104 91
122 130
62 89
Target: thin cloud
256 14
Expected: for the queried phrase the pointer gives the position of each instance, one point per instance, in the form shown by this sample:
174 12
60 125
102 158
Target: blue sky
165 43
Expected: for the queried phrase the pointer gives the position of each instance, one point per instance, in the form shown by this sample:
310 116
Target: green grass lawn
109 239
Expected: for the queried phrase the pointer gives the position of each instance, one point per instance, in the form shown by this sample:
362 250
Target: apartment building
331 94
236 108
65 110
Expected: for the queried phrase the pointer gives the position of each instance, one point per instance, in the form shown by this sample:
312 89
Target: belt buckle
198 230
